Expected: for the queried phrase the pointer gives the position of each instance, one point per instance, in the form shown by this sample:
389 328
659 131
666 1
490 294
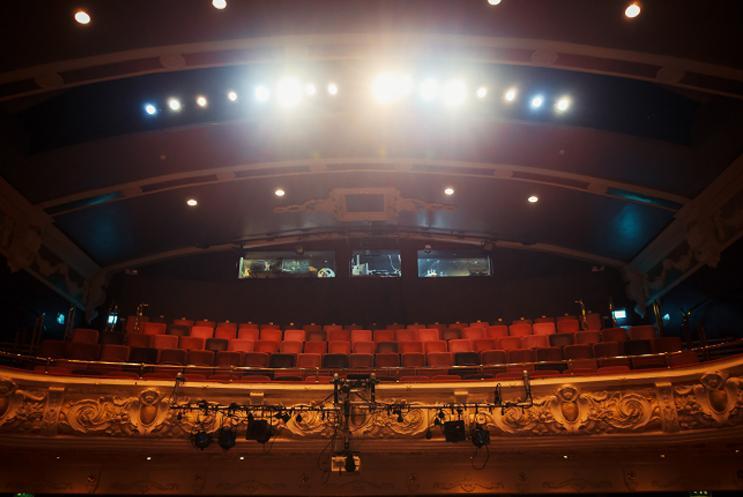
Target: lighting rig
354 393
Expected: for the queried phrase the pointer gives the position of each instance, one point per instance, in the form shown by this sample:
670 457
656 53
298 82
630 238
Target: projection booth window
453 263
375 263
317 264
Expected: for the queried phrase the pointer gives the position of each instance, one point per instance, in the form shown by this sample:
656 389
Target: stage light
480 436
289 92
232 96
310 90
449 191
279 192
201 101
259 430
454 431
391 87
455 92
533 199
174 104
562 104
219 4
536 101
428 89
82 17
192 202
226 437
482 92
510 94
201 440
332 89
262 94
633 10
150 109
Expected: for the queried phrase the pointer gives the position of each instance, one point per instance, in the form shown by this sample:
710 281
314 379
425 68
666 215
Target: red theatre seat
434 346
363 347
180 331
165 341
83 351
451 333
192 343
315 347
440 359
474 332
594 321
520 329
387 347
411 347
150 328
241 345
255 359
84 335
497 331
587 337
667 344
226 330
309 361
202 331
493 357
172 356
114 353
406 335
338 335
360 361
614 335
248 332
361 336
216 344
483 344
544 328
228 359
201 357
335 361
270 335
290 347
267 346
508 343
562 339
384 336
568 325
339 347
294 335
643 332
387 360
413 359
460 345
282 360
522 356
183 322
544 319
535 342
584 351
54 349
428 334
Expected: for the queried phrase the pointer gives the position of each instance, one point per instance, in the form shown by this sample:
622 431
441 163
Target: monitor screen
275 264
375 263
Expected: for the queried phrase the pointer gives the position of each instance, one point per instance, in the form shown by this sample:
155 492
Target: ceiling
610 173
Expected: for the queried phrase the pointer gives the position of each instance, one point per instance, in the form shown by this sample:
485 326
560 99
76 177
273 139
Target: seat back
315 347
192 343
248 333
114 353
83 351
338 335
266 346
535 342
461 345
667 344
483 344
594 321
493 357
406 335
290 347
440 359
216 344
608 349
202 331
339 347
642 332
568 325
187 323
474 332
521 355
309 360
172 356
255 359
520 329
587 337
361 336
150 328
428 334
544 328
583 351
508 343
544 319
84 335
497 331
387 360
200 357
387 347
164 342
241 345
384 335
410 347
614 335
363 347
226 330
434 346
270 335
562 339
226 359
295 335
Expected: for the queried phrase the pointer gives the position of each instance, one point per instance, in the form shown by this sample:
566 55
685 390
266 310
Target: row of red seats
417 356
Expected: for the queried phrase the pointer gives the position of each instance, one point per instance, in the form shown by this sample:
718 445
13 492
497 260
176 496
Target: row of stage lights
387 89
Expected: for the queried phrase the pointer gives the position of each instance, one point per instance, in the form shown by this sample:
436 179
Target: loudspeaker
454 431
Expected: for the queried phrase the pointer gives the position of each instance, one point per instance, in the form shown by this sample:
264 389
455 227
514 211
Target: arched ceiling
656 118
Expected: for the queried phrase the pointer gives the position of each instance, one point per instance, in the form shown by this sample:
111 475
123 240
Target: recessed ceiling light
332 89
219 4
82 17
262 93
150 109
449 191
533 199
482 92
565 457
201 101
455 91
562 104
633 10
149 458
232 96
310 90
289 92
536 101
242 458
279 192
192 202
174 104
510 94
494 2
428 89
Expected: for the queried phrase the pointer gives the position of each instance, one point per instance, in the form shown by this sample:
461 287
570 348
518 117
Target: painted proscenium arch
666 70
349 165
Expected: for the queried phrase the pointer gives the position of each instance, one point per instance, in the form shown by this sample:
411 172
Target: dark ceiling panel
128 229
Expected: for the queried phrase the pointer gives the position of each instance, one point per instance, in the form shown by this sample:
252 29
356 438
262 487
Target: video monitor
453 263
375 263
261 265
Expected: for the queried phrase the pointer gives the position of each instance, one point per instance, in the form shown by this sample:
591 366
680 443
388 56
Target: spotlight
201 101
429 434
510 94
82 17
219 4
455 92
262 93
201 440
174 104
350 463
533 199
391 87
310 90
298 418
537 101
289 92
332 89
562 104
279 192
192 202
633 10
150 109
285 417
428 89
232 96
259 430
449 191
482 92
480 436
454 431
494 2
226 437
